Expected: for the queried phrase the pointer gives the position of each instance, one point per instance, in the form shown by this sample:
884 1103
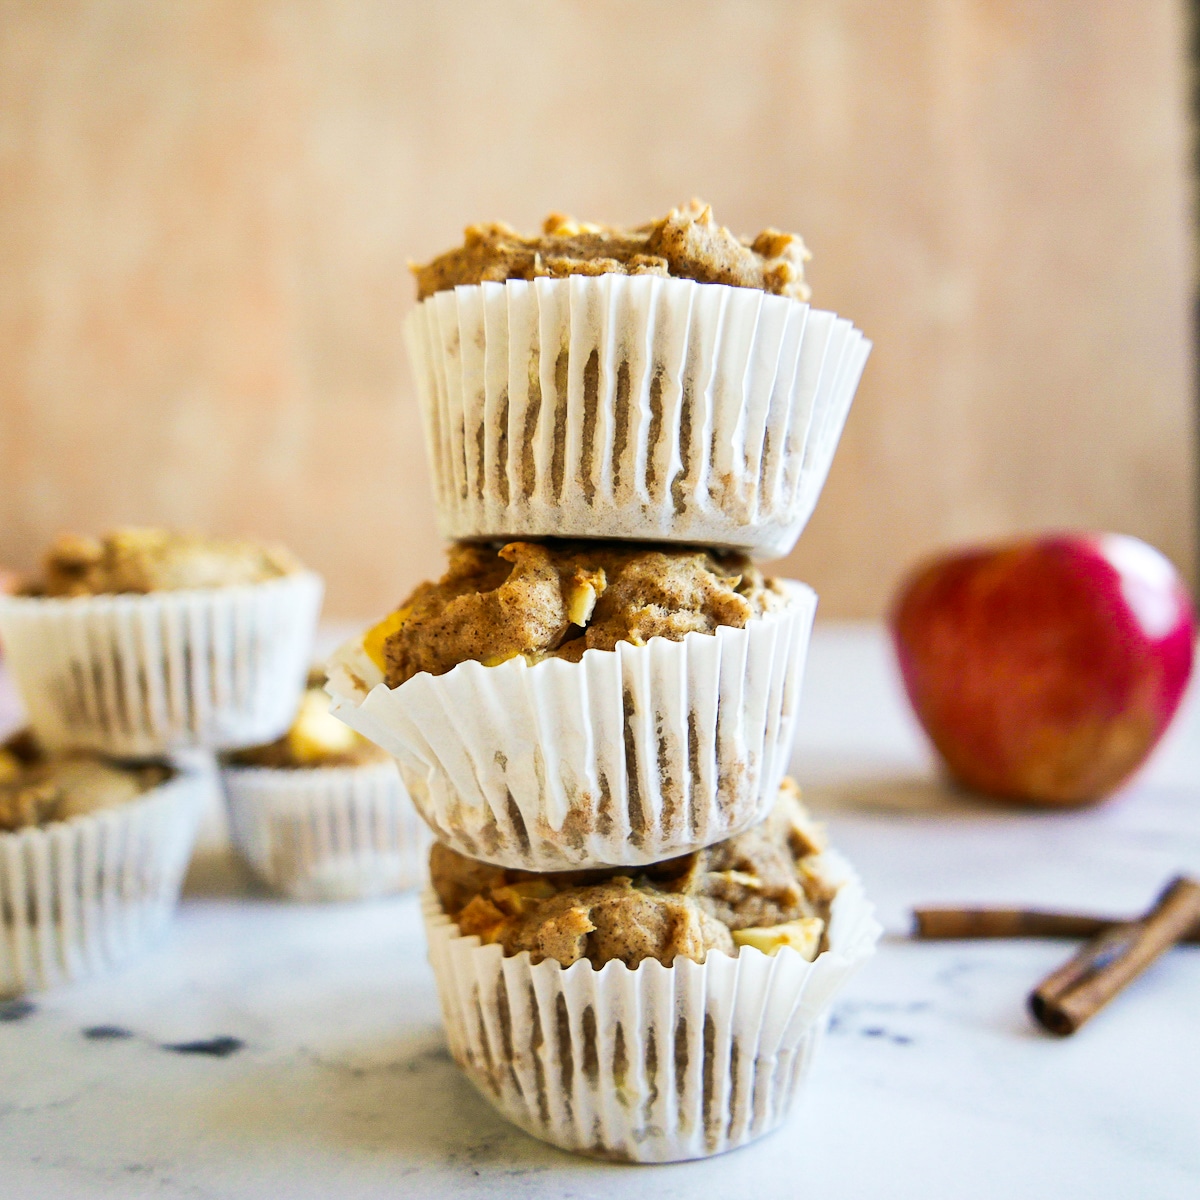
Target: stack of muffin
136 657
636 930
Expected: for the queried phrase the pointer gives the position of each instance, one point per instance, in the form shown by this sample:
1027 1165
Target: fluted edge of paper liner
81 896
137 676
327 833
631 407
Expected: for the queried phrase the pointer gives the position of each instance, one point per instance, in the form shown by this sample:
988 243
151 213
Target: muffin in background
36 790
655 1016
92 858
155 560
146 642
321 813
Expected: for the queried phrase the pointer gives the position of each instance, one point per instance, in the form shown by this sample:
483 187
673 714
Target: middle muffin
564 704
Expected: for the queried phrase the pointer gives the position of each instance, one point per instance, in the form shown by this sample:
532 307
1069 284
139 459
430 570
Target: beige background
206 210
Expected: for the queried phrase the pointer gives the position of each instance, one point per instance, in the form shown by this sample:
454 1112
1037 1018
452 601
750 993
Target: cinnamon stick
968 923
1114 957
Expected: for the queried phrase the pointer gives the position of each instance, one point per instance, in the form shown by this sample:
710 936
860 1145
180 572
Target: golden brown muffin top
316 739
155 560
36 789
767 888
557 599
686 244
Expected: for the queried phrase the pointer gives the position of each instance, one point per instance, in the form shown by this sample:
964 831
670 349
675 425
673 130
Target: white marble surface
934 1084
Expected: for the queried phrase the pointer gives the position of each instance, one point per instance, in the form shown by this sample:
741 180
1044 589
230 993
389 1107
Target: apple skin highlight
1045 670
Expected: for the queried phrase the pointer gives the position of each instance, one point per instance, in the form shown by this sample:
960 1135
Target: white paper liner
136 676
327 833
631 407
83 895
627 757
654 1064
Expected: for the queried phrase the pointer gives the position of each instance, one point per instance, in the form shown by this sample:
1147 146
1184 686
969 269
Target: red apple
1046 670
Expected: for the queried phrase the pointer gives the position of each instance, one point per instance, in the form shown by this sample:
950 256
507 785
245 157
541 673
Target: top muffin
155 560
685 244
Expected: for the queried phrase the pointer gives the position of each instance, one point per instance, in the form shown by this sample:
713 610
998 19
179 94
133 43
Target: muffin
147 641
92 857
658 1015
320 813
665 383
155 560
564 704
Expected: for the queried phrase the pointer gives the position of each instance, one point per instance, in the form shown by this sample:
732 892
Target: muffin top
36 789
685 244
155 560
543 600
768 887
316 739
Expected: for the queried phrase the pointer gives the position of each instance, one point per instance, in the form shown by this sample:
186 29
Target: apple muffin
667 1013
685 244
767 887
542 600
155 560
665 383
144 642
37 789
558 705
92 858
320 813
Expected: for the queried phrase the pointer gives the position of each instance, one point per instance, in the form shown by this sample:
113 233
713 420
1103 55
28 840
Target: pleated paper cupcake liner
327 833
627 757
653 1064
83 895
631 407
137 676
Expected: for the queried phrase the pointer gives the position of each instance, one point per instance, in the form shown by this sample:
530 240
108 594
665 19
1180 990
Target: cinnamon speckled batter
687 244
558 599
764 879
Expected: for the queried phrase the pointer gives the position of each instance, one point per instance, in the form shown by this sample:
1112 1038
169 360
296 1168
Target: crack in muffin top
540 600
685 244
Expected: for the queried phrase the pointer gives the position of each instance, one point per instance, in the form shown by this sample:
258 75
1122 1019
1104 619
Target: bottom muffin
92 858
664 1015
321 813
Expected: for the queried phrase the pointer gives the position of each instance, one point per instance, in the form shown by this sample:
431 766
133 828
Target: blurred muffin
147 641
320 813
35 790
92 857
156 560
316 739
